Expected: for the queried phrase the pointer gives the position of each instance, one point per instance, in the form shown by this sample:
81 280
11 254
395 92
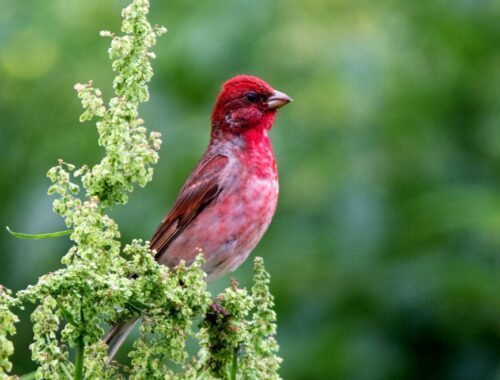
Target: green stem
80 349
28 376
234 365
80 353
49 235
66 372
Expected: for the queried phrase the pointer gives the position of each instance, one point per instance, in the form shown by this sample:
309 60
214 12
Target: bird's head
246 102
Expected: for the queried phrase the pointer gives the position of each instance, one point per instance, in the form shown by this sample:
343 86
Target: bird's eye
252 97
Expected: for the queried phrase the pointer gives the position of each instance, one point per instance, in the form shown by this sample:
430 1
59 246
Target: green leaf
49 235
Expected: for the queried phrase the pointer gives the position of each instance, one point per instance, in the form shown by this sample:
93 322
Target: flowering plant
103 281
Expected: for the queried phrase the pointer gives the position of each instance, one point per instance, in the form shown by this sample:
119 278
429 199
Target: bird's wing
200 189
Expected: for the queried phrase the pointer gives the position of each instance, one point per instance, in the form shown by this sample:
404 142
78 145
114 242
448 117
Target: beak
278 99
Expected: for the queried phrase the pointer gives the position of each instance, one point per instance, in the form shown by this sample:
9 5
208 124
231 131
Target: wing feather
200 189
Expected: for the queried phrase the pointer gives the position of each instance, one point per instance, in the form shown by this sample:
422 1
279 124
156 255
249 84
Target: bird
227 203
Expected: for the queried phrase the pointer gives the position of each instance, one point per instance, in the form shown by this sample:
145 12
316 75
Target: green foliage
7 321
238 332
102 281
175 299
129 151
46 351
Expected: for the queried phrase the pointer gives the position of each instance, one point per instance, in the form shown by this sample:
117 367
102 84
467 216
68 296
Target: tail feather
117 335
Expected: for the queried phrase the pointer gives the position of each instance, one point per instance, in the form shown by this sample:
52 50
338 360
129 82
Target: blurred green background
385 249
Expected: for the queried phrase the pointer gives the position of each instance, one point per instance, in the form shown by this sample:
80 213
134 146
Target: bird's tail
117 335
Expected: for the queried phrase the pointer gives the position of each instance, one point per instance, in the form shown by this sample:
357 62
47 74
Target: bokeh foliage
384 252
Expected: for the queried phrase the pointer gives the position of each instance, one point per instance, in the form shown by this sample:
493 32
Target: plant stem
80 349
234 366
28 376
65 370
80 353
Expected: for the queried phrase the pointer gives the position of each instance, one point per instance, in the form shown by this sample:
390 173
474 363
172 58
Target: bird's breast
245 210
230 227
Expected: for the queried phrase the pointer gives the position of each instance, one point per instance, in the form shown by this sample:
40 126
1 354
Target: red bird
228 201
